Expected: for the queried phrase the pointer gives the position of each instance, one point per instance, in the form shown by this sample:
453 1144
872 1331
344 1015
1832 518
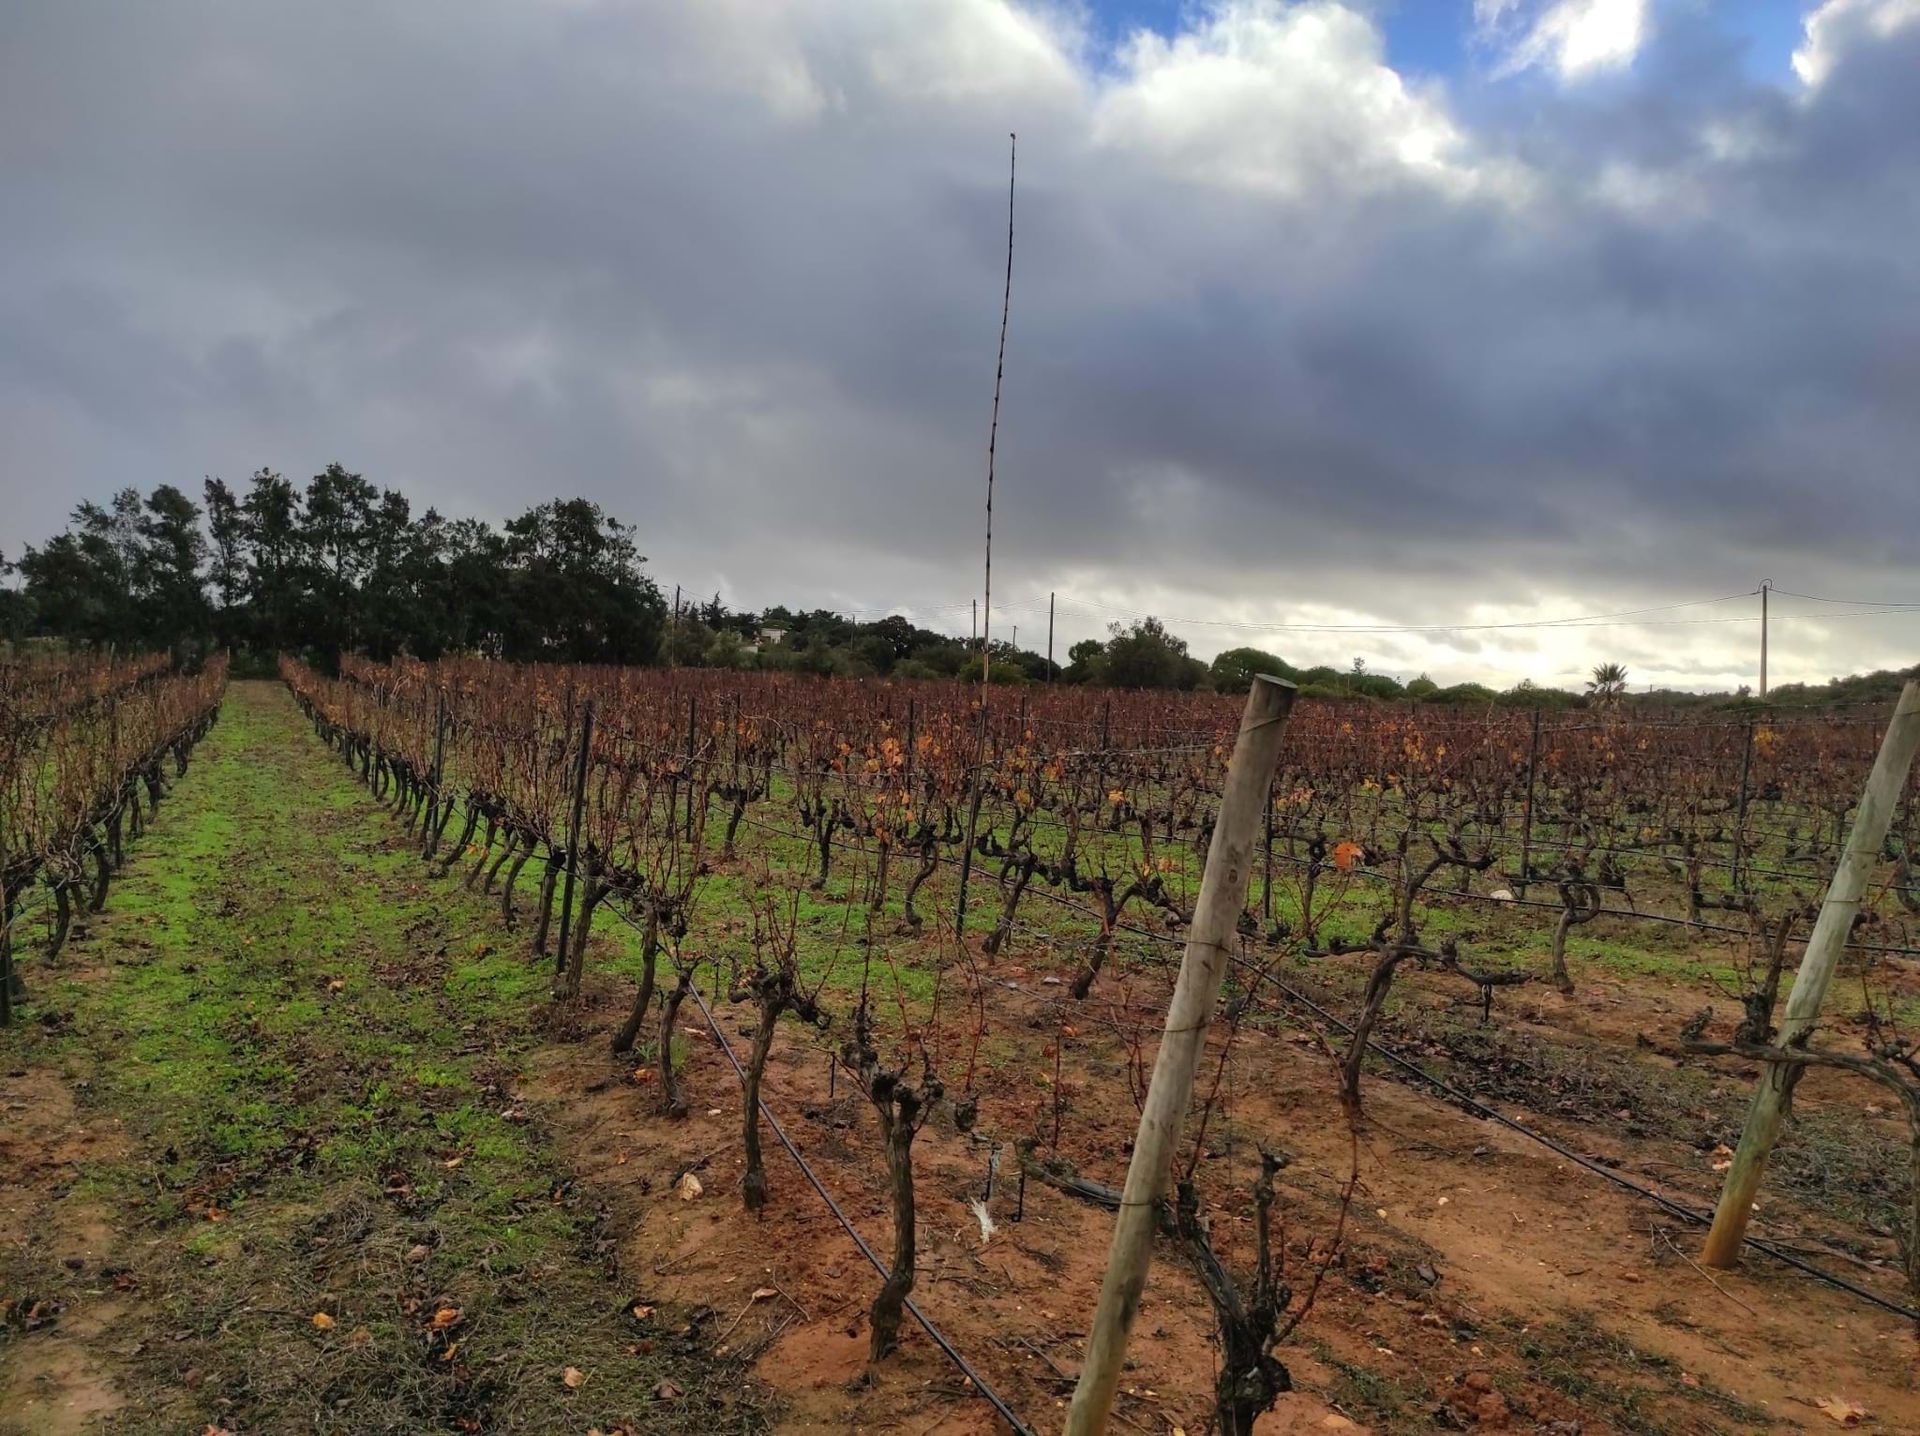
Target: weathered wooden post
1526 819
1740 807
1216 920
1774 1095
1266 859
430 838
693 710
975 794
573 836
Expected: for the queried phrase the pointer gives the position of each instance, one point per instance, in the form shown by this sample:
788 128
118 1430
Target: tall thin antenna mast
993 433
986 617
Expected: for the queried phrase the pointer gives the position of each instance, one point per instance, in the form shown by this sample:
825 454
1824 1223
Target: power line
1622 619
1572 619
1618 618
1901 605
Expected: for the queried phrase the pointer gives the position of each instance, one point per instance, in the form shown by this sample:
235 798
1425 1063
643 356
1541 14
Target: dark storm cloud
1289 337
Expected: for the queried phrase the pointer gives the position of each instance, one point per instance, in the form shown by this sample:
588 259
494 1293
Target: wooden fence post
973 823
1216 921
1526 820
1774 1095
693 710
1266 858
430 839
1740 809
573 835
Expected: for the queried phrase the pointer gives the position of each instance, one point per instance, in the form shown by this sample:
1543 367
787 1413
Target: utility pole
1049 637
975 639
1765 584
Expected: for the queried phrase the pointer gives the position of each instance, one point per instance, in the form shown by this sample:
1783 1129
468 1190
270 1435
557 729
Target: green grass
1604 1373
313 1046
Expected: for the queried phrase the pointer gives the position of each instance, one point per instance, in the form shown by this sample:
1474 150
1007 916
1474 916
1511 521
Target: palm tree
1609 681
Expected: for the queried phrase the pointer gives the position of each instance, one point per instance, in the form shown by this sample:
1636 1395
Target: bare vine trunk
629 1032
672 1104
891 1303
594 893
544 922
1377 988
929 860
753 1188
513 877
1023 875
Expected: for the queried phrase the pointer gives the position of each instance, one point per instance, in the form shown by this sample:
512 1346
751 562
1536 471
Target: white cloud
977 51
1265 96
1837 25
1575 38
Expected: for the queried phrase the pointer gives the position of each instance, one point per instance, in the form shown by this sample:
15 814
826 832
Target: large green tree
579 593
1145 655
1233 670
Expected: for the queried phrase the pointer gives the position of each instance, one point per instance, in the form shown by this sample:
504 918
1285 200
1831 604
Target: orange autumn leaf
1347 855
1841 1410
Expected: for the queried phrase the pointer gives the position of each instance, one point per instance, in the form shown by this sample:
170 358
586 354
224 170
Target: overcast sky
1372 314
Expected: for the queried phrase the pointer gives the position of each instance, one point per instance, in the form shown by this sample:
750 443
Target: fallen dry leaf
573 1378
323 1321
1839 1409
445 1317
761 1293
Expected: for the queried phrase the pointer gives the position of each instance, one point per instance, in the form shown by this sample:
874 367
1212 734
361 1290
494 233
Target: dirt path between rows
262 1168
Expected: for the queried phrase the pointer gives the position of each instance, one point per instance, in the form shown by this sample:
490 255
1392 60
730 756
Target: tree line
339 566
342 565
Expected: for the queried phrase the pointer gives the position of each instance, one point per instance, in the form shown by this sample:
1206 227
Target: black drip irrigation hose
1667 1204
993 1398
